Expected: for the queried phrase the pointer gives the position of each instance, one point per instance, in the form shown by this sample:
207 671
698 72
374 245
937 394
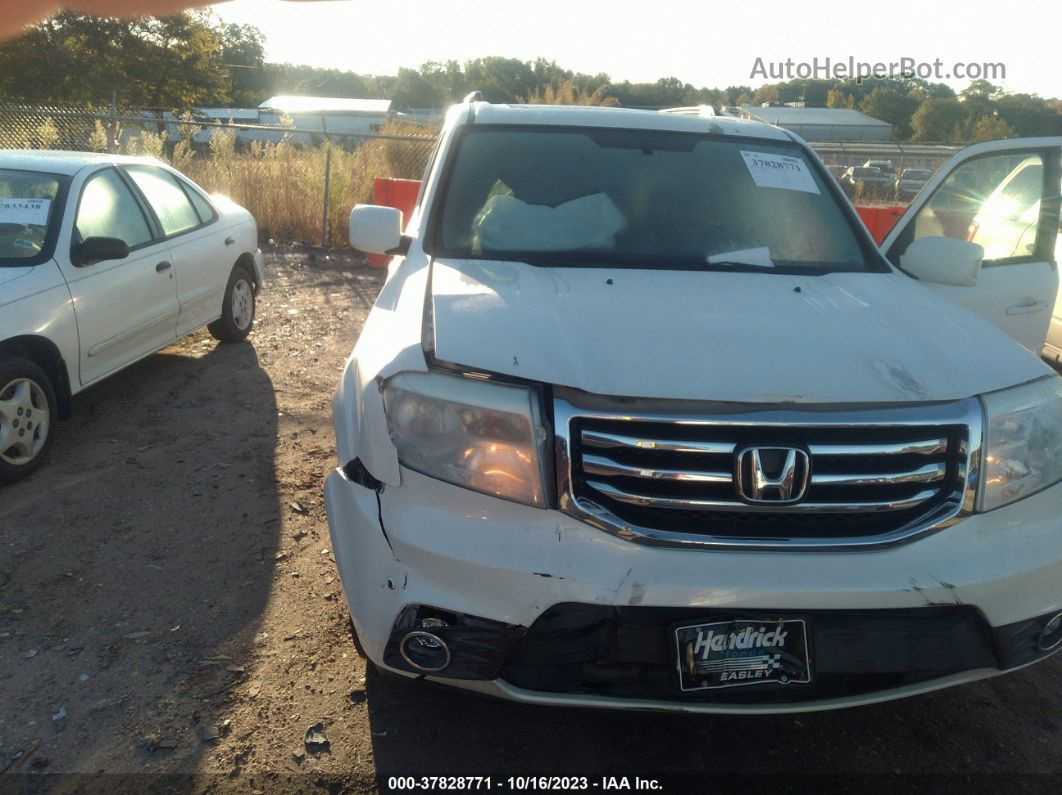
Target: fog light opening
1051 636
425 651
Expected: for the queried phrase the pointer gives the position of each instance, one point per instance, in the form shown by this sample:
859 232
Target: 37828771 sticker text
779 171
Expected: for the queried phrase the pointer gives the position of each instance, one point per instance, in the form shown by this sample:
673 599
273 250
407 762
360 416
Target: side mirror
944 260
98 249
377 230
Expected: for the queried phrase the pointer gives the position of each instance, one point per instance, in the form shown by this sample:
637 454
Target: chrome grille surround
924 432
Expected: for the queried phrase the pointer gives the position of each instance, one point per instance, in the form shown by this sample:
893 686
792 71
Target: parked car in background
866 183
104 260
837 171
910 181
747 461
886 167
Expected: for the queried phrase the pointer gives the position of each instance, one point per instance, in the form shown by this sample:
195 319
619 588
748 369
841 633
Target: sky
712 44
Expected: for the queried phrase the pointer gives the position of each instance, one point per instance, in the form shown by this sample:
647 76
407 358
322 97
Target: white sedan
104 260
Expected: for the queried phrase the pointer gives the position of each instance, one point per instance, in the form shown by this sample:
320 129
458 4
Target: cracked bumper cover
460 551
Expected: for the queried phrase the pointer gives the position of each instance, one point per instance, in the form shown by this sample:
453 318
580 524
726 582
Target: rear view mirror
98 249
377 230
944 260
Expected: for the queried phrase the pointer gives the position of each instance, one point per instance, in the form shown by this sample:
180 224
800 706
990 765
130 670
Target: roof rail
692 110
473 96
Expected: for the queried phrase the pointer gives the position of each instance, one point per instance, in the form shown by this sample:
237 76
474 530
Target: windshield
644 199
27 200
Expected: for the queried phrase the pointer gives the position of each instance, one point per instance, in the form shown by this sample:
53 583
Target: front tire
238 308
28 411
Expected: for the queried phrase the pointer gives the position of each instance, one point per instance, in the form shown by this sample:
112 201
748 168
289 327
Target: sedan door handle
1028 306
162 266
230 240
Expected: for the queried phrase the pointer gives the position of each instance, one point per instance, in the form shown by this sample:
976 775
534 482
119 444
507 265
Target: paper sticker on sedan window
31 212
779 171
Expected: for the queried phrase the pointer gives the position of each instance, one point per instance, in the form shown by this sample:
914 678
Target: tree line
193 59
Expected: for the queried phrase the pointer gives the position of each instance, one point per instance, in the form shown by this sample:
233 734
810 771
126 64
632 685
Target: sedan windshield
27 200
642 199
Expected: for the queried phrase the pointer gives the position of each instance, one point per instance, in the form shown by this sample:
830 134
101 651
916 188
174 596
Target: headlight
1023 441
484 436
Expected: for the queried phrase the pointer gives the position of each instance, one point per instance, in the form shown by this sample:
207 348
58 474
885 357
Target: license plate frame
747 651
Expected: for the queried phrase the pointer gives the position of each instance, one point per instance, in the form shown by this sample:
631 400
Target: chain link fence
902 168
48 128
301 183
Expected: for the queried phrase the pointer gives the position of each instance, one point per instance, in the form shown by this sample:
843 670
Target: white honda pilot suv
643 418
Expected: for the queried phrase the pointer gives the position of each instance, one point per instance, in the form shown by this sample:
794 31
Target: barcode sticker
779 171
31 212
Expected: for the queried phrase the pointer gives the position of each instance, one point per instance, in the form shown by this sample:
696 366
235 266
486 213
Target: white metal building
319 115
327 114
821 124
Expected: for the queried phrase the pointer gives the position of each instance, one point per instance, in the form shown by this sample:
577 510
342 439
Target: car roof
621 118
54 161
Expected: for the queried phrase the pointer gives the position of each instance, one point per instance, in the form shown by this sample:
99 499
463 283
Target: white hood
747 337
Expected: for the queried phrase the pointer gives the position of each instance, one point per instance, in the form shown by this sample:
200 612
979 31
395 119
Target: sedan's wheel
237 311
27 411
242 304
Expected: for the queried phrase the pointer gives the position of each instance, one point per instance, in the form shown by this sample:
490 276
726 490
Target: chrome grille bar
597 465
602 439
930 473
925 447
691 504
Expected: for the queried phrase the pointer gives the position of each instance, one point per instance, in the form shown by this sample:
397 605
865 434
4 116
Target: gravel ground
169 606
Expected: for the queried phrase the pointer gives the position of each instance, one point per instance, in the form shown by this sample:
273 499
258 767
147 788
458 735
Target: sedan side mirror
377 230
98 249
944 260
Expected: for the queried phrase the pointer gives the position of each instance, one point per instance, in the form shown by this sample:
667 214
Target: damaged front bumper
535 606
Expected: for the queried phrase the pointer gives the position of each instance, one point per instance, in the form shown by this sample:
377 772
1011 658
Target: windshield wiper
681 263
759 257
546 261
732 262
736 264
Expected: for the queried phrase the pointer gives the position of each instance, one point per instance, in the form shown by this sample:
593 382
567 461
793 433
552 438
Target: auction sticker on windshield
30 212
742 652
779 171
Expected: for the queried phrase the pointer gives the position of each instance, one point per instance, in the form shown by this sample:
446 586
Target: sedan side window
109 209
202 206
167 199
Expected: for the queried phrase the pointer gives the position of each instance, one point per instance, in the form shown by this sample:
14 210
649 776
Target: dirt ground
171 617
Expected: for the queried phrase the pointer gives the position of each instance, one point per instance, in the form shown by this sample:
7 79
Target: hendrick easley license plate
742 652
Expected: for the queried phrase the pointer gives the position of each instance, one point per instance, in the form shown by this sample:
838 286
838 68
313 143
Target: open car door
1003 196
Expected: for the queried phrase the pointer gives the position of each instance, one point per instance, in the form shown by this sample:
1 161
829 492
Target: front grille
682 476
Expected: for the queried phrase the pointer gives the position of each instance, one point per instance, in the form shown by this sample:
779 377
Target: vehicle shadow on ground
138 562
997 726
